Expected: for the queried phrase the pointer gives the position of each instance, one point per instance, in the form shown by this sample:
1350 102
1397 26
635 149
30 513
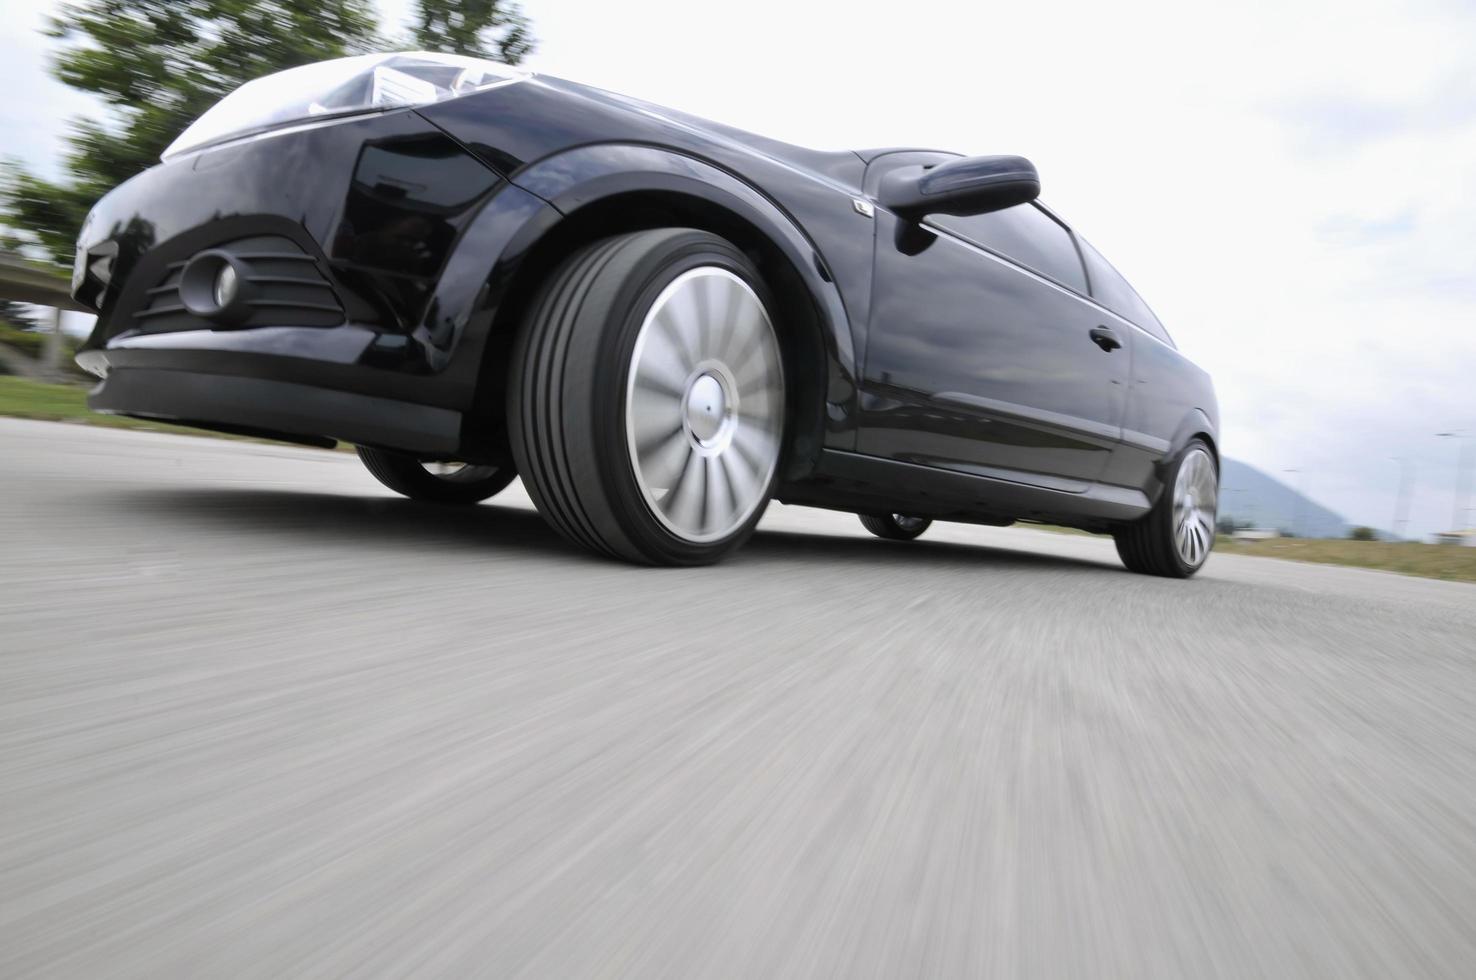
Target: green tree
18 315
485 28
1362 534
158 64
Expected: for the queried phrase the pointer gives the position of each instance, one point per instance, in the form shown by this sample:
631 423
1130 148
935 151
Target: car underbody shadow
330 518
864 548
342 518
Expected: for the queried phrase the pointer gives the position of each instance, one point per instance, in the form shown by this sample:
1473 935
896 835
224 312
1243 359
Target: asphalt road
260 718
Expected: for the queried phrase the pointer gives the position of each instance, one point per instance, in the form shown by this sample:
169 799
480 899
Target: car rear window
1111 290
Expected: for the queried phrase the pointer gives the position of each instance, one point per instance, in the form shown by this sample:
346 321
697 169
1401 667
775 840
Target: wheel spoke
663 366
683 503
755 447
1209 494
760 407
717 505
718 297
740 479
654 416
746 323
682 322
663 462
759 385
751 363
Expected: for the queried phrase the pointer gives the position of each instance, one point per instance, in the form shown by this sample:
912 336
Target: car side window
1024 234
1111 290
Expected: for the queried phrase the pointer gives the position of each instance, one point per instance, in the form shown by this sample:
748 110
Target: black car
659 322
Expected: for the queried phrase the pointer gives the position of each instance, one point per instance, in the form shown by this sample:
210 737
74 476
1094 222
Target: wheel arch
1196 424
602 191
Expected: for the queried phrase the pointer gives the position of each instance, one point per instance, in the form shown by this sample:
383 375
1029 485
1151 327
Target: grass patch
1450 562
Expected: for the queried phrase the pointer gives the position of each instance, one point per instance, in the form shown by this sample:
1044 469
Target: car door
1165 386
982 355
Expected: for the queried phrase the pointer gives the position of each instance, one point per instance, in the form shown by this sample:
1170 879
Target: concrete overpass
31 282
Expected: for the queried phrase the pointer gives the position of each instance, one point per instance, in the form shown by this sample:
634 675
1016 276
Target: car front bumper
277 409
367 312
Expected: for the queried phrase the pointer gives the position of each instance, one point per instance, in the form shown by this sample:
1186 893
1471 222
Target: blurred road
258 717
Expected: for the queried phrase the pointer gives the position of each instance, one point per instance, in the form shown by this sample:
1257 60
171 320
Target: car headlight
342 87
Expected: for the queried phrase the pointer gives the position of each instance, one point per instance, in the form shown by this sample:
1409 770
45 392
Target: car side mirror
972 185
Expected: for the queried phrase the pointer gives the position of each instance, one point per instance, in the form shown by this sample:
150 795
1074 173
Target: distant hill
1248 495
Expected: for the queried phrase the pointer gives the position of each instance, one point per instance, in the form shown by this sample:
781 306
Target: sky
1289 184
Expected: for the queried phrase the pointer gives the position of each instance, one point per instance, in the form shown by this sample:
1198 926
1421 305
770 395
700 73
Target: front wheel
646 398
1176 536
442 483
895 527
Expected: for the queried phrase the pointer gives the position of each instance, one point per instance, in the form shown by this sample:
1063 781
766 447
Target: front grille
289 290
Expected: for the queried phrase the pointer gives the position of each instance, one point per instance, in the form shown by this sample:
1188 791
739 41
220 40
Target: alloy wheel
1195 501
704 404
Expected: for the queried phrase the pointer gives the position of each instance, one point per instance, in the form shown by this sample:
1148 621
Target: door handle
1105 338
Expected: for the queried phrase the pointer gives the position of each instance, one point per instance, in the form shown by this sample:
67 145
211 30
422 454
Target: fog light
225 286
214 286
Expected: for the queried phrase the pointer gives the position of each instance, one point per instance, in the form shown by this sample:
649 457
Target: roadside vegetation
1450 562
32 343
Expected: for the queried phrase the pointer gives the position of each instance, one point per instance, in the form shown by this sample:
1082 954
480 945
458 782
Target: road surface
260 718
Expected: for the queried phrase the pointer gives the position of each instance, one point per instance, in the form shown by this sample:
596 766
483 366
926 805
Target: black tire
1148 546
895 527
569 382
407 475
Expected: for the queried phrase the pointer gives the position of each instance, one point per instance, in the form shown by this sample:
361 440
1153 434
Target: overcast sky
1291 185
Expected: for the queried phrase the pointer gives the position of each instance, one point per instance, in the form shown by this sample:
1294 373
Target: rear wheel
646 398
443 483
895 527
1176 536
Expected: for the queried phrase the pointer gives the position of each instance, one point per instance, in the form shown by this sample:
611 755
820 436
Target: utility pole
1296 503
1459 517
1401 500
54 346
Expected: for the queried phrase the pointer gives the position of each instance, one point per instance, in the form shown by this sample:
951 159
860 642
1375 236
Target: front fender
587 175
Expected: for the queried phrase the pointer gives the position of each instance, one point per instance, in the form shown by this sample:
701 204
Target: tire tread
556 398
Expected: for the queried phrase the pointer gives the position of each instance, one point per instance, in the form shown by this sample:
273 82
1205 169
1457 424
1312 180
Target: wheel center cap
707 407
